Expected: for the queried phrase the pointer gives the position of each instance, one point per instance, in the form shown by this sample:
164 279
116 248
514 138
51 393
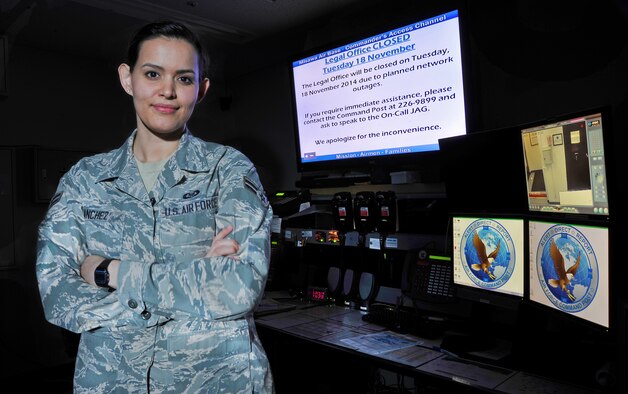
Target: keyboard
402 321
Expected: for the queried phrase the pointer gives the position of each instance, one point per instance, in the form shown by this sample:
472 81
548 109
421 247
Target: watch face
101 277
101 274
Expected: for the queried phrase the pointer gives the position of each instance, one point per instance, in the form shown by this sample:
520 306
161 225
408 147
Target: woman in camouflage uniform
158 252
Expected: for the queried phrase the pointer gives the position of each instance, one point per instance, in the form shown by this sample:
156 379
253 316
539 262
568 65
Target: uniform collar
189 159
185 159
122 170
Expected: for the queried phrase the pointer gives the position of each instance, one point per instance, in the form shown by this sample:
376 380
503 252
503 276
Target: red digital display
317 293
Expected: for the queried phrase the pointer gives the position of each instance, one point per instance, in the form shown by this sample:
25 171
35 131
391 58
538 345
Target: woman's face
164 84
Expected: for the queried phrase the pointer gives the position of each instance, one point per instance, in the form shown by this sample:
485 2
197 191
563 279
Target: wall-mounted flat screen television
387 96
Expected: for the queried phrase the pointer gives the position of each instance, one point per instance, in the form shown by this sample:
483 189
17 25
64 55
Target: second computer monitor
569 269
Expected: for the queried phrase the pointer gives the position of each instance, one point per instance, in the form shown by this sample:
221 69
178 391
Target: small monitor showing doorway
565 162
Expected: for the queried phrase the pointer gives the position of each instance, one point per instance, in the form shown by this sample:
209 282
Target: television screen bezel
425 160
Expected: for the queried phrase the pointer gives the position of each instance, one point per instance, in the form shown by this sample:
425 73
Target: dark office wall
535 59
261 102
62 101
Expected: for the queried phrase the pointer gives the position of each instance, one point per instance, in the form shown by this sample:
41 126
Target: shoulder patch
55 199
257 189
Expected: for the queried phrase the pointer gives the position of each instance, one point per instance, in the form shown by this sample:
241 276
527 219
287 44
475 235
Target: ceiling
101 28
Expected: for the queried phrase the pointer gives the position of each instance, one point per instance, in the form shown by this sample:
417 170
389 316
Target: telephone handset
426 278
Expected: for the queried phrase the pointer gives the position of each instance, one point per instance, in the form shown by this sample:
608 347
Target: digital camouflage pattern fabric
178 322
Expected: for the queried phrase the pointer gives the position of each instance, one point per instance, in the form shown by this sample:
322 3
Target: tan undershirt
150 171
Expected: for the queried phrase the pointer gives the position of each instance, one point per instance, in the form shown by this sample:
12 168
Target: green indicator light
444 258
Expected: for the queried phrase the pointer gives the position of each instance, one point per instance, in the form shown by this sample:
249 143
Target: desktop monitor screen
569 269
488 255
388 96
482 172
565 161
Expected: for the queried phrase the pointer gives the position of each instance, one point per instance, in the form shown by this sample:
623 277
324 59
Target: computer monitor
482 172
566 164
488 254
569 269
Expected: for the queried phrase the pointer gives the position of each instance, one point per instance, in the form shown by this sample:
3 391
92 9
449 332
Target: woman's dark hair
168 29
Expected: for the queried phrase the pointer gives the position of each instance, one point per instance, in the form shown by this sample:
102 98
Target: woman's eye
186 80
152 74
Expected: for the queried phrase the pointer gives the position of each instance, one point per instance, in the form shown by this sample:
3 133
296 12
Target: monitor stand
480 340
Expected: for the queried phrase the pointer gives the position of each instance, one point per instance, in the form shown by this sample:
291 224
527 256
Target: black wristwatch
101 274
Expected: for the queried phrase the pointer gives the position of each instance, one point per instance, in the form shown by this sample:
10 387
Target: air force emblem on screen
488 254
567 268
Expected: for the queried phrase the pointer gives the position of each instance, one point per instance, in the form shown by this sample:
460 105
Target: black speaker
348 286
334 282
367 289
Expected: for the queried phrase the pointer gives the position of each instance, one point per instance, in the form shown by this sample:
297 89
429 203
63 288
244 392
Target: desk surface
343 328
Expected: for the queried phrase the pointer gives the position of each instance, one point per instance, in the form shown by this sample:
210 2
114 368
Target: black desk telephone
427 277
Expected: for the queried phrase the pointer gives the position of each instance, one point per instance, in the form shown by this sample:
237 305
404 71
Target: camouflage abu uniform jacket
178 322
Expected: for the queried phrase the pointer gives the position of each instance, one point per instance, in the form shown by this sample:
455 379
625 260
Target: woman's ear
202 89
124 73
